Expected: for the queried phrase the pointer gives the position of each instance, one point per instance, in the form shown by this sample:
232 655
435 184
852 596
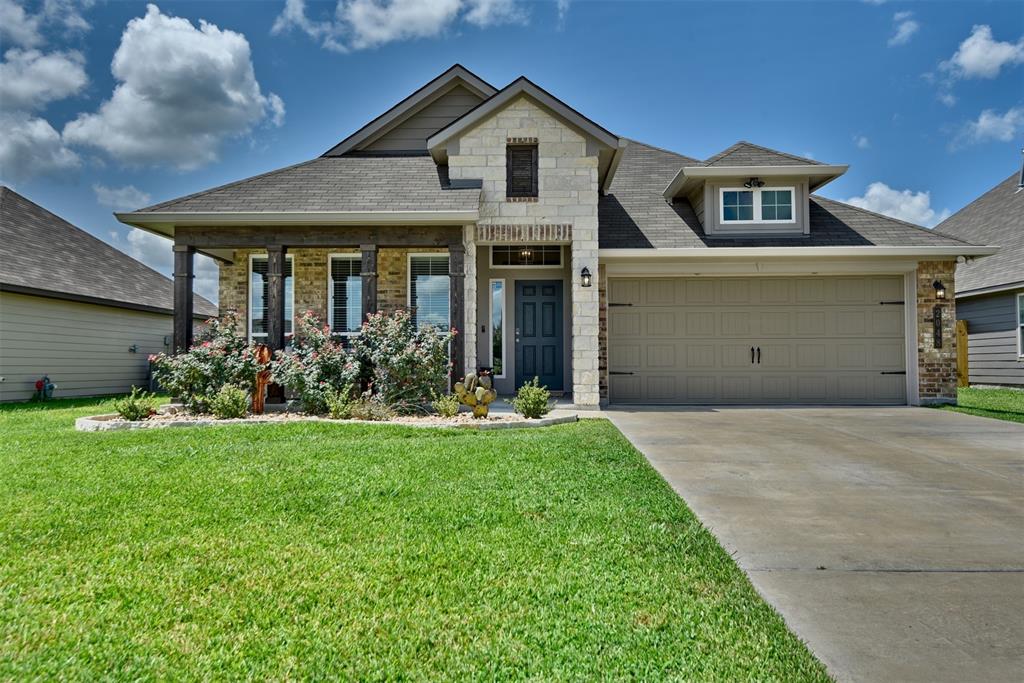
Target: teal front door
539 335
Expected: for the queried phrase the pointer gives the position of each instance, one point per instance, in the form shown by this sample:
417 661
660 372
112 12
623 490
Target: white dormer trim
817 175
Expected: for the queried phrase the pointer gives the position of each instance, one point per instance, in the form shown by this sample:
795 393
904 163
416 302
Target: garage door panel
822 340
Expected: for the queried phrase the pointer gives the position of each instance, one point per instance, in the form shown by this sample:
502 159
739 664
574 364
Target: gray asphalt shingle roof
633 214
745 153
42 251
997 218
345 183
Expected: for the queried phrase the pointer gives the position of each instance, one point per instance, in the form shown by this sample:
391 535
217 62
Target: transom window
345 294
429 286
521 255
762 205
258 296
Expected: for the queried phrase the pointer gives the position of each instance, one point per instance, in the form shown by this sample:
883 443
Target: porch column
368 272
184 275
456 308
275 297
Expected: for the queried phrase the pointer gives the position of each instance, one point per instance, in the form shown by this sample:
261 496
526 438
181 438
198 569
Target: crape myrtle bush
402 366
317 367
220 356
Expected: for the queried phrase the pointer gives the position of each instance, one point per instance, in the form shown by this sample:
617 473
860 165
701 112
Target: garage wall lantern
585 278
940 290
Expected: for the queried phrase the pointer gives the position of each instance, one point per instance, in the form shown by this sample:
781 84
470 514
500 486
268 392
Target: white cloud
181 92
563 10
30 146
363 24
906 205
905 28
30 79
125 198
861 141
990 125
157 253
981 56
947 98
68 13
17 26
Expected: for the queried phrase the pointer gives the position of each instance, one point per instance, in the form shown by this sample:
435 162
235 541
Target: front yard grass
371 552
1002 404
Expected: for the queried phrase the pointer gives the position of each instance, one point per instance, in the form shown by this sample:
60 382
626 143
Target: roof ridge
930 231
225 186
661 149
997 187
725 152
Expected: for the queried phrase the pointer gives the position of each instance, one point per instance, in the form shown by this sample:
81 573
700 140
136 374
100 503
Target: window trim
757 205
504 325
535 190
408 278
1020 326
561 256
250 335
350 256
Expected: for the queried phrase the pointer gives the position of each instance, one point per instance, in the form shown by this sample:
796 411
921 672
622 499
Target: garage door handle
751 355
615 372
893 372
758 355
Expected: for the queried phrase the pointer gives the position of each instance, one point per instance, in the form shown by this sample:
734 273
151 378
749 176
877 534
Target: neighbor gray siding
414 131
992 354
84 348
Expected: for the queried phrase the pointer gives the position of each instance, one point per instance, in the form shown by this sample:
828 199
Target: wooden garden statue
262 379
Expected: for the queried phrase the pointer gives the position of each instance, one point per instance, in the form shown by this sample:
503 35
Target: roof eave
163 222
817 174
796 252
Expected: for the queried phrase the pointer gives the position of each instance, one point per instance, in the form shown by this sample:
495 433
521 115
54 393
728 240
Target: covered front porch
269 274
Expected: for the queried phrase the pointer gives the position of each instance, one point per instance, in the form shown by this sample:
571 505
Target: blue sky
924 100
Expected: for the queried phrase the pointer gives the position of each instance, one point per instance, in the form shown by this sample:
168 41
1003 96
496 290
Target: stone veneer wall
310 273
936 367
567 189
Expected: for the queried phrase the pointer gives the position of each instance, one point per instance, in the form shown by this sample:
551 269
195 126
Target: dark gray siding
992 354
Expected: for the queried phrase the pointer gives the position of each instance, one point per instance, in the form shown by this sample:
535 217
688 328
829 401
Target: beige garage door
757 340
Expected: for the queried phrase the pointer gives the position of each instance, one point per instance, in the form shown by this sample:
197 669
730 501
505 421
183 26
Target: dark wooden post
457 309
275 297
368 272
184 275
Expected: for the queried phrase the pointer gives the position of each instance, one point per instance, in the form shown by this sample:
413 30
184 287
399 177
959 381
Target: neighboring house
990 291
74 308
615 271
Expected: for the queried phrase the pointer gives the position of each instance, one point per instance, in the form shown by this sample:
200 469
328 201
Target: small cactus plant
477 393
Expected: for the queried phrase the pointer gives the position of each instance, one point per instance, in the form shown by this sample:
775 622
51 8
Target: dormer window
757 205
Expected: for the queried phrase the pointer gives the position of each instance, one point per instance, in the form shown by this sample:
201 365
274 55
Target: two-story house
613 270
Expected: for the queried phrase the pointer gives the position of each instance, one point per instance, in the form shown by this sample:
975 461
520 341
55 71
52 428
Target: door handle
751 355
758 355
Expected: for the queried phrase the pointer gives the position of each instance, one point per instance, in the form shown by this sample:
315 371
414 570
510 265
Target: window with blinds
345 305
521 171
258 296
428 290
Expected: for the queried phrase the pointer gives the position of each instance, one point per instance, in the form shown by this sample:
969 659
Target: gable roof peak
744 153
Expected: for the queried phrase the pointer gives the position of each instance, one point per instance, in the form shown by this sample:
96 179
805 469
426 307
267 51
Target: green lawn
344 551
1002 404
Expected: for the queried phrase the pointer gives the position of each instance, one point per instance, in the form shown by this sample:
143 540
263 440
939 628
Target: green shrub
370 409
445 405
138 405
403 366
532 400
316 366
220 356
230 403
339 402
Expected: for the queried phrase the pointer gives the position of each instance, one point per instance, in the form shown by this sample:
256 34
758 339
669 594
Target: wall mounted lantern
754 182
585 278
940 290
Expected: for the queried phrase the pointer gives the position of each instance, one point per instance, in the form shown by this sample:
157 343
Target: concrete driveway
890 539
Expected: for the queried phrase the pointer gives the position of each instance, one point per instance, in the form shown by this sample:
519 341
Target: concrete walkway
890 539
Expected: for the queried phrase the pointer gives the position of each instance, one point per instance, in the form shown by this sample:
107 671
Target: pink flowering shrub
403 366
317 367
221 356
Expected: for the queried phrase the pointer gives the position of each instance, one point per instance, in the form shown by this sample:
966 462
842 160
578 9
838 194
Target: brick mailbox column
936 344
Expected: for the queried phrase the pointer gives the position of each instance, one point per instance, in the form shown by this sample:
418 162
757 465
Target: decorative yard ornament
44 389
262 354
476 392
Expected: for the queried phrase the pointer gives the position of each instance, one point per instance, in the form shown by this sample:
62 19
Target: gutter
708 253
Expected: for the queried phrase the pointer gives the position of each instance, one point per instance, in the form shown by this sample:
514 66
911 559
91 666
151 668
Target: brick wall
567 202
936 366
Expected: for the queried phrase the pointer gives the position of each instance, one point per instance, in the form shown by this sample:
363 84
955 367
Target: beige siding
414 131
84 348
